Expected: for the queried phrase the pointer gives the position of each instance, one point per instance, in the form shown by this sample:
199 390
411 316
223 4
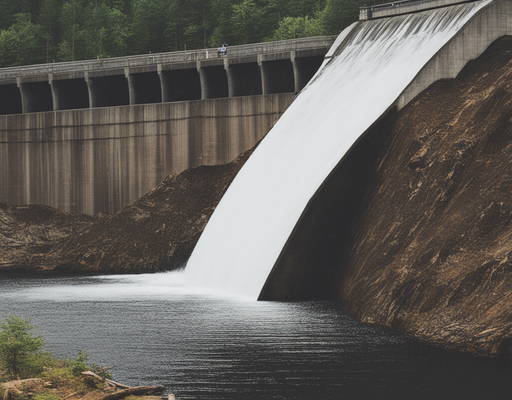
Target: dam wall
92 136
100 159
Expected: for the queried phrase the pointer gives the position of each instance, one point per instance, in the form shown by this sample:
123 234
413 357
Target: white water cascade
247 232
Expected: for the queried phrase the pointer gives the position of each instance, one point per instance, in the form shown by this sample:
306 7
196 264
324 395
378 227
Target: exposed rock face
156 233
28 233
432 250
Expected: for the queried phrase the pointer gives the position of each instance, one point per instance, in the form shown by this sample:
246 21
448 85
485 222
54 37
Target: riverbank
57 385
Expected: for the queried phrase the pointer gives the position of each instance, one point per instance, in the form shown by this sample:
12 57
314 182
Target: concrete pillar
231 78
90 89
163 83
264 80
203 80
276 76
297 79
35 96
131 86
24 102
55 93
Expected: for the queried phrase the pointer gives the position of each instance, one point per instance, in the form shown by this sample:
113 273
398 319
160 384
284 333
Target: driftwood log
10 387
125 390
137 391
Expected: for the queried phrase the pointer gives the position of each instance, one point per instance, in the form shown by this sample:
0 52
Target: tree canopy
40 31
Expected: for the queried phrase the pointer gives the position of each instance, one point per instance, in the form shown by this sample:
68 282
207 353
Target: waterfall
377 61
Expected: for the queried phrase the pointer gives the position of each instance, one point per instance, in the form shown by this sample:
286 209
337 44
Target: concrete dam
287 193
95 135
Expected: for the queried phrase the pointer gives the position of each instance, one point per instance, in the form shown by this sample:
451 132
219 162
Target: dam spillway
374 66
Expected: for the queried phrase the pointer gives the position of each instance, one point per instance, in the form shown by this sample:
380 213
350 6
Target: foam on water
113 288
254 219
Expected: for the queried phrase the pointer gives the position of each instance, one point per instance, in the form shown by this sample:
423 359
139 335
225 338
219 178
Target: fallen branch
127 390
12 384
69 395
90 373
119 385
137 391
109 382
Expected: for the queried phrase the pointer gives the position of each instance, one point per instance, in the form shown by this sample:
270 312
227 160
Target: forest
47 31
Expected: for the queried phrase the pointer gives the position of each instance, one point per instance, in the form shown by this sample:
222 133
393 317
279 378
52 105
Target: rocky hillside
28 233
156 233
432 249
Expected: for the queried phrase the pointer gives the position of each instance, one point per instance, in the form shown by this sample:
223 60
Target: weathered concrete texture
98 160
403 7
494 21
414 226
156 233
163 77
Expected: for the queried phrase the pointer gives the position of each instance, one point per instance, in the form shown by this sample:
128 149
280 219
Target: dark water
203 346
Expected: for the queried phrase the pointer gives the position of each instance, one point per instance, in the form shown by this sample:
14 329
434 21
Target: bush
20 351
45 396
79 364
21 357
102 371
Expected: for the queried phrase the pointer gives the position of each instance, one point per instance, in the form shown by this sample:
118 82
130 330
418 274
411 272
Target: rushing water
267 197
203 346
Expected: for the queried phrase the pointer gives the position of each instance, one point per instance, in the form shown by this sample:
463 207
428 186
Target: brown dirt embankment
432 249
156 233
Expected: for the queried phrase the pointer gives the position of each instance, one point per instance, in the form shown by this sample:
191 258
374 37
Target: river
201 345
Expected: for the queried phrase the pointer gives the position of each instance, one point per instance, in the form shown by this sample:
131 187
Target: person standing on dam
223 51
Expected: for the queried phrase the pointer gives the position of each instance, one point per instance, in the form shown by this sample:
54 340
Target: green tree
19 349
297 27
48 19
105 32
190 23
8 54
338 14
220 12
149 21
246 21
22 43
72 44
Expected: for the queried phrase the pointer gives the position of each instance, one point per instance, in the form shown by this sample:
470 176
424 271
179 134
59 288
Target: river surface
158 330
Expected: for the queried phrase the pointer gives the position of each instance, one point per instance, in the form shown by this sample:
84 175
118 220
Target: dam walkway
255 69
